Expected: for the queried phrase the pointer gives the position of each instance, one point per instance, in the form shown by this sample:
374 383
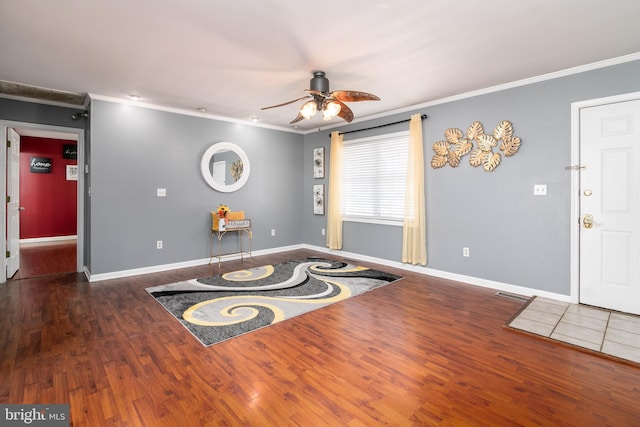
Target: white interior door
220 172
610 206
13 202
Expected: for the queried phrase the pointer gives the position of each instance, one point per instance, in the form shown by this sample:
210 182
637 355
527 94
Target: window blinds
374 175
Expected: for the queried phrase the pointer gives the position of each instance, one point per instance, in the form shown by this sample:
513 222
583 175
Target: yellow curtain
334 202
414 233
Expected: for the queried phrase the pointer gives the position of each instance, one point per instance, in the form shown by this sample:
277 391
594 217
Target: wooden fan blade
287 103
353 96
345 112
314 92
297 119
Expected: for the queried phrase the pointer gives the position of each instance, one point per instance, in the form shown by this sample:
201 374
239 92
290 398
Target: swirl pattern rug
217 308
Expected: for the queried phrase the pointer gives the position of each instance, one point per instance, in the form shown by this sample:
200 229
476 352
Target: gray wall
135 150
514 237
30 112
12 110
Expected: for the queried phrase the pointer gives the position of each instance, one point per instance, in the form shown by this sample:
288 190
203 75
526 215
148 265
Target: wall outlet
161 192
159 244
540 190
324 232
465 252
273 232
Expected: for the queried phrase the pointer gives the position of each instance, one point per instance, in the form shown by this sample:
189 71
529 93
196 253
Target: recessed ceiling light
202 109
254 119
134 97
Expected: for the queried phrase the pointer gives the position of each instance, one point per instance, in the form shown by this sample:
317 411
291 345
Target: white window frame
392 138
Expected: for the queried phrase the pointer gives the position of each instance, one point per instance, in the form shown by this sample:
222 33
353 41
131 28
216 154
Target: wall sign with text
40 165
69 151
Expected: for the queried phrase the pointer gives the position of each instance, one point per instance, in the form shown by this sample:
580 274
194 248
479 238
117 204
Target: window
374 176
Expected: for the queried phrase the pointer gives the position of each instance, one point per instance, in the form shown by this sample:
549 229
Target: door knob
587 221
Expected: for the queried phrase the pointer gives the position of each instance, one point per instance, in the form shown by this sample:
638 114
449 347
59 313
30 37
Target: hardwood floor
421 351
41 259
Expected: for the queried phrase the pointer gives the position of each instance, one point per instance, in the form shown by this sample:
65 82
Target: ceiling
234 57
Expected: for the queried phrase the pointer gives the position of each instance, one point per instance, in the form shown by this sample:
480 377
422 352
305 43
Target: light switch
162 192
540 190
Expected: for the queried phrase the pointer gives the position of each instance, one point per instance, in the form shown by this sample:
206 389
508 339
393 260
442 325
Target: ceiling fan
331 104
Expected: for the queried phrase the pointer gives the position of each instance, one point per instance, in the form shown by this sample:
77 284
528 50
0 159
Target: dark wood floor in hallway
41 259
421 351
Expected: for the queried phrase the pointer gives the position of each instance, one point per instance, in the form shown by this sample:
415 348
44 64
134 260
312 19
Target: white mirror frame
205 166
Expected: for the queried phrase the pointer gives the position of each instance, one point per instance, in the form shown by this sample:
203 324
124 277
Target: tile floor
609 332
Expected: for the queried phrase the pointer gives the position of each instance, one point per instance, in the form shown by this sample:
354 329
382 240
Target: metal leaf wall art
236 169
458 144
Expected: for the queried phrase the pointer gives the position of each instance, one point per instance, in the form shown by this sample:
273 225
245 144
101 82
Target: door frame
79 135
576 107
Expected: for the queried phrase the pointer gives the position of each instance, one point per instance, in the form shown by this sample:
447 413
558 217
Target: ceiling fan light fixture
308 109
331 109
330 103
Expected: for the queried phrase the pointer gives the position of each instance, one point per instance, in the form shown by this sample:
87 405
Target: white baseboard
144 270
177 265
48 239
498 286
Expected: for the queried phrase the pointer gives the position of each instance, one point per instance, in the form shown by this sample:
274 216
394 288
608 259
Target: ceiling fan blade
314 92
297 119
286 103
353 96
345 112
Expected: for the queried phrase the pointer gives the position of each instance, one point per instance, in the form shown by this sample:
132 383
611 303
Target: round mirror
225 167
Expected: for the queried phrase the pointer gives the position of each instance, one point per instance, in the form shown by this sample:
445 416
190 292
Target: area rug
217 308
595 330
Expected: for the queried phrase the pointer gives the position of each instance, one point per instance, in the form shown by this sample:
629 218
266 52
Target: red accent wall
50 201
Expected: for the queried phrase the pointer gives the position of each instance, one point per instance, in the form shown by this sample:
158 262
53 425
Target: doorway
606 181
50 256
46 258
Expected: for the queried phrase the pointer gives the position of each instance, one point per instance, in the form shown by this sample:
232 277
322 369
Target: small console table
241 227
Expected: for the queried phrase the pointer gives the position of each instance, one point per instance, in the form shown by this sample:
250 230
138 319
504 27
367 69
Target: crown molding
185 112
517 83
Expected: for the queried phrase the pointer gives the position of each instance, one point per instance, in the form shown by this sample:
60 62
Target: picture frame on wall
72 172
40 165
318 199
70 151
318 162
